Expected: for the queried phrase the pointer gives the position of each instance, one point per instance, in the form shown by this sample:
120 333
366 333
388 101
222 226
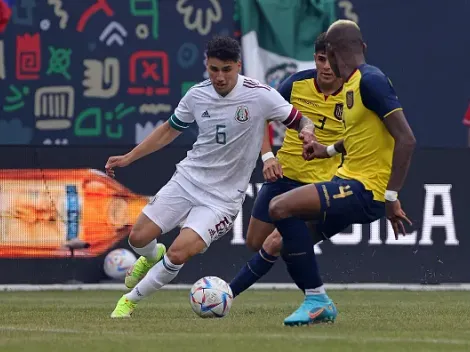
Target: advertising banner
51 198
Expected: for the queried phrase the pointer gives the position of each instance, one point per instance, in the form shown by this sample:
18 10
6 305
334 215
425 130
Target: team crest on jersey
242 114
339 111
349 99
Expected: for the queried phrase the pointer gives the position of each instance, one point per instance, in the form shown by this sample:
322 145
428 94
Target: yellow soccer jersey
369 98
302 91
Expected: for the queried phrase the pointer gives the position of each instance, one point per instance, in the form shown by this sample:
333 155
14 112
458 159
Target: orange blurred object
43 210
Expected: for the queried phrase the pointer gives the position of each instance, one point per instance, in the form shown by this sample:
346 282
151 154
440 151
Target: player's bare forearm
404 146
159 138
305 124
339 147
266 147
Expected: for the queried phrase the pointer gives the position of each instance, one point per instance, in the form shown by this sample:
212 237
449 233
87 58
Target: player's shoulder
301 76
371 75
253 84
200 87
199 90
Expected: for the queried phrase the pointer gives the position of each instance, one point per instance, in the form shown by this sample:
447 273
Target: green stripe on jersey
177 124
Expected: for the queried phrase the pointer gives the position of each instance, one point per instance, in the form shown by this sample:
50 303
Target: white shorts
181 203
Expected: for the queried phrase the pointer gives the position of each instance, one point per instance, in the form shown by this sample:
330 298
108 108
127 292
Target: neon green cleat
142 266
124 308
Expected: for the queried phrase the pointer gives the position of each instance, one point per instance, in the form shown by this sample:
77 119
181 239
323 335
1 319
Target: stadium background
87 79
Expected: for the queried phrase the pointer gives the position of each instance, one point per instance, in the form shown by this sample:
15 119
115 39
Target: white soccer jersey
231 130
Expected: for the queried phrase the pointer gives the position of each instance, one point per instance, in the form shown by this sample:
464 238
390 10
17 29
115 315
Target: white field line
273 286
290 332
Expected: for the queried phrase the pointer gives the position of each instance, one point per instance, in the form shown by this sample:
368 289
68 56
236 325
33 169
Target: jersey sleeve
378 95
183 115
278 109
285 88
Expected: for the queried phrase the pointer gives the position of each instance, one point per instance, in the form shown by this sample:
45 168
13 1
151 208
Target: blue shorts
346 202
268 191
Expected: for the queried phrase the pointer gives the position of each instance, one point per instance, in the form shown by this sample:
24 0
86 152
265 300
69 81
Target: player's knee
253 243
138 237
277 209
177 255
273 244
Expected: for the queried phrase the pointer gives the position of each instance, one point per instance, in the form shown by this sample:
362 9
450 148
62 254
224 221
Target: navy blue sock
298 253
253 270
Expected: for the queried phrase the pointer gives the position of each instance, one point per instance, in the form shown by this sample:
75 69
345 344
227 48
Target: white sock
149 251
315 291
162 273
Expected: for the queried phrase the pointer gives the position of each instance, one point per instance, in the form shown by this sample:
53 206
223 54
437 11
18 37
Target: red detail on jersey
466 118
254 84
293 119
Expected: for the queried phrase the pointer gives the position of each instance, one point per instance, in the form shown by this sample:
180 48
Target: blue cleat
314 310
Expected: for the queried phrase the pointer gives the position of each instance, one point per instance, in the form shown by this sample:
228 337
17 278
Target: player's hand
396 216
116 161
272 170
314 150
307 135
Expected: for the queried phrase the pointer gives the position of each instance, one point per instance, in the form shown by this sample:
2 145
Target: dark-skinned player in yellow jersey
377 147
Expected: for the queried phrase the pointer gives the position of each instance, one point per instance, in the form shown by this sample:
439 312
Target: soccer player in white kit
208 187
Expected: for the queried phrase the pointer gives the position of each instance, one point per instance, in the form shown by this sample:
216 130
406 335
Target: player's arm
166 133
160 137
266 146
272 169
405 142
379 96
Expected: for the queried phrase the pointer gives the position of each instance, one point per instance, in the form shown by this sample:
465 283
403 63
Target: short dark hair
223 48
320 42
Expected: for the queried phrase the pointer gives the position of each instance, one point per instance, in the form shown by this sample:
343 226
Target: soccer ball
211 297
117 262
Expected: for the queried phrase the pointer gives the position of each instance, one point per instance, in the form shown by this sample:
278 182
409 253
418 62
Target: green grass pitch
367 321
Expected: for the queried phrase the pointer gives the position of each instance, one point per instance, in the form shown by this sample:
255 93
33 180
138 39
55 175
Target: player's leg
202 226
259 264
143 240
186 245
163 213
298 252
259 228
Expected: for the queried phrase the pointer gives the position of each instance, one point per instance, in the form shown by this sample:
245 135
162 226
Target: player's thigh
257 233
143 231
268 191
166 210
303 202
347 202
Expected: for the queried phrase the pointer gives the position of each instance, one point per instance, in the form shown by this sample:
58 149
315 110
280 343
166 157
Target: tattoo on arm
305 122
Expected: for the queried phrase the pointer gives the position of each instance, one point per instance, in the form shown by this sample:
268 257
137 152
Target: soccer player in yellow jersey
315 93
377 147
